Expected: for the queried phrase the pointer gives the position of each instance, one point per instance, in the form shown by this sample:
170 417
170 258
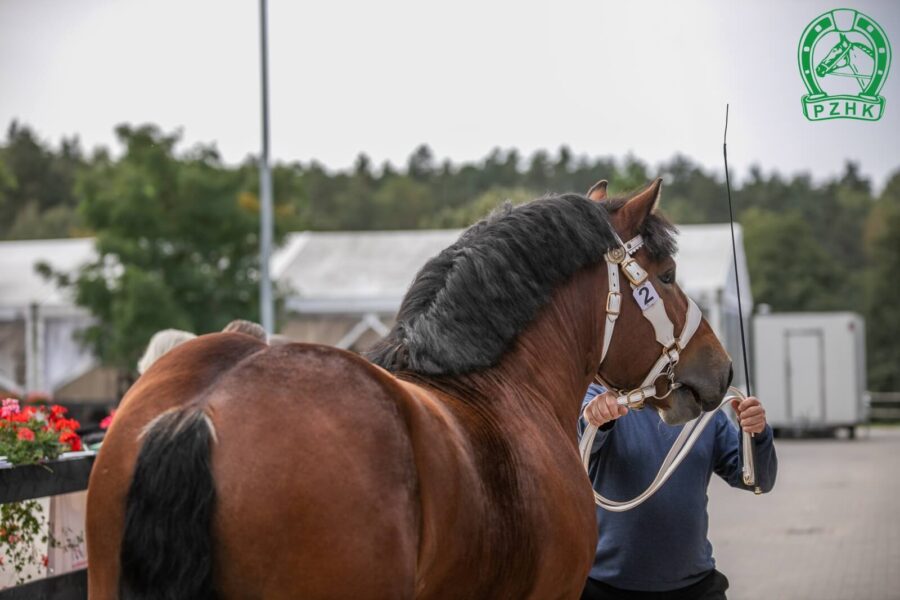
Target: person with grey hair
160 343
165 340
247 328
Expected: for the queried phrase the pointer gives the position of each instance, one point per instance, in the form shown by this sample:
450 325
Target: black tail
166 547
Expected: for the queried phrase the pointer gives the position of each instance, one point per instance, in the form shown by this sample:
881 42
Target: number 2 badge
646 295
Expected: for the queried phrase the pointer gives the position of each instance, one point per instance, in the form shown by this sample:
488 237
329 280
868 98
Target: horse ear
597 193
639 207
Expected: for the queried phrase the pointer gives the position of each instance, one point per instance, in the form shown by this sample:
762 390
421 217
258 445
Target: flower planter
68 473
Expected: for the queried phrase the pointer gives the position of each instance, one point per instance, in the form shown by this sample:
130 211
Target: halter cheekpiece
653 308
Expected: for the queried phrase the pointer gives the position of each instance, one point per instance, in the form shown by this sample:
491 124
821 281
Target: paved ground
829 530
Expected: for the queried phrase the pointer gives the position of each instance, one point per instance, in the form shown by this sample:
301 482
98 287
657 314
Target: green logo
844 59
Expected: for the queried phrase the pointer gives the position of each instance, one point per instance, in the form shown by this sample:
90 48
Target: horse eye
668 276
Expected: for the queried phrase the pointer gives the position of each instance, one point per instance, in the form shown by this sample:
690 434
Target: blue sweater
661 545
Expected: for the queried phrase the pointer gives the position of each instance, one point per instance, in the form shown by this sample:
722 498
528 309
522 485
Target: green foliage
178 232
883 310
34 181
25 539
43 443
22 529
176 241
790 270
480 207
401 203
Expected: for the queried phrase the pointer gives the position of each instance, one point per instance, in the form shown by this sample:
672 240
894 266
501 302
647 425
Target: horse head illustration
842 55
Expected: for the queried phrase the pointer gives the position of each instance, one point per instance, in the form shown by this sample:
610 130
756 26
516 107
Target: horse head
833 59
700 372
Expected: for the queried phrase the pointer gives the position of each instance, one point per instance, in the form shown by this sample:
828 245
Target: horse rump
166 550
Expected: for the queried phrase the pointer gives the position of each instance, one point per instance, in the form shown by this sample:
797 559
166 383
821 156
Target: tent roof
706 266
371 271
358 271
354 271
21 285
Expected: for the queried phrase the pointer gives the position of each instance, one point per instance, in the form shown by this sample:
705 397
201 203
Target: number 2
645 295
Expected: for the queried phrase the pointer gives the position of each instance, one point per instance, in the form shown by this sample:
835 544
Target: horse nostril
730 375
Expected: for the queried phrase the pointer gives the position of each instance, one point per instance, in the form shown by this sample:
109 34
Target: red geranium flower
107 420
10 407
26 434
63 424
71 438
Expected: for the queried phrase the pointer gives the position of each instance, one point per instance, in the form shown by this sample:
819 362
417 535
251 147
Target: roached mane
468 304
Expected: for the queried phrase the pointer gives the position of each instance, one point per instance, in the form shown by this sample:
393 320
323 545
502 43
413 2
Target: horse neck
555 358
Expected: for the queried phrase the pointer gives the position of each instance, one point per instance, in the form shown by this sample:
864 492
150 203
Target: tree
630 176
421 163
35 179
882 310
401 203
789 270
175 247
480 207
692 195
7 186
540 171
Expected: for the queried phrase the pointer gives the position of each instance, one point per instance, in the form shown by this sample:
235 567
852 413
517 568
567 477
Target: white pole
265 183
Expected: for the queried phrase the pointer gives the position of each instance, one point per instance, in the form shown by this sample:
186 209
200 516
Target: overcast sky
605 78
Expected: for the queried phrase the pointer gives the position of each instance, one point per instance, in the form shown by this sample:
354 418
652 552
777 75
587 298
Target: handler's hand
750 413
603 409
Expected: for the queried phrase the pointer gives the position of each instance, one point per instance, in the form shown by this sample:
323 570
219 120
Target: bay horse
446 466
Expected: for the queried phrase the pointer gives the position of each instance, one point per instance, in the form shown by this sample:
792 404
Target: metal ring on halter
616 255
673 385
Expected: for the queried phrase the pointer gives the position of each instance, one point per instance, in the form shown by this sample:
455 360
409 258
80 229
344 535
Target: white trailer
811 370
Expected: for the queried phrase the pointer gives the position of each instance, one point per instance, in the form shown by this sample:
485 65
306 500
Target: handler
660 548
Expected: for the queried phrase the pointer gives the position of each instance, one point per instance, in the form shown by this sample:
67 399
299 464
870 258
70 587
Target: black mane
468 304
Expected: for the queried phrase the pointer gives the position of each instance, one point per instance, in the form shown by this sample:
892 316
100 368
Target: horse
444 466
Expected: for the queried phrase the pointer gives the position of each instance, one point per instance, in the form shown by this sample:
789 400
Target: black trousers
711 587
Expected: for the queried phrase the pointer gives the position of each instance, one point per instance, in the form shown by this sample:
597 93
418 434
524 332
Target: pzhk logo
844 59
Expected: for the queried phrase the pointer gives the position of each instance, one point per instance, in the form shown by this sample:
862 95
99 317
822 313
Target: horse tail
166 546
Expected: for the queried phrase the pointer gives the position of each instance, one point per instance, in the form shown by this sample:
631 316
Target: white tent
360 276
38 322
366 274
706 273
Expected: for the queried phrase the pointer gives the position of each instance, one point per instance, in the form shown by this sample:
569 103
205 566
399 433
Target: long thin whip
737 278
749 466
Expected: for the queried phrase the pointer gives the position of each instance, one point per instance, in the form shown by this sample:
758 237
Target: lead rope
686 439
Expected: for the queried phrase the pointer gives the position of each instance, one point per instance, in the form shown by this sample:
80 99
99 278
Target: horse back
313 451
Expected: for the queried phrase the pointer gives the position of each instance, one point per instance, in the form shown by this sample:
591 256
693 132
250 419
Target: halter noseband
654 310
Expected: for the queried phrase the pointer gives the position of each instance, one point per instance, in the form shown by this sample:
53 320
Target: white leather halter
618 258
621 257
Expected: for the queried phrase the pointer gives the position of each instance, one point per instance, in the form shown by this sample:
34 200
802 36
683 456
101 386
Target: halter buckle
613 303
633 271
616 255
636 404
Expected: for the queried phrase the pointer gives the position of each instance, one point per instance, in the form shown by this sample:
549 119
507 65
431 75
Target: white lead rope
689 435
